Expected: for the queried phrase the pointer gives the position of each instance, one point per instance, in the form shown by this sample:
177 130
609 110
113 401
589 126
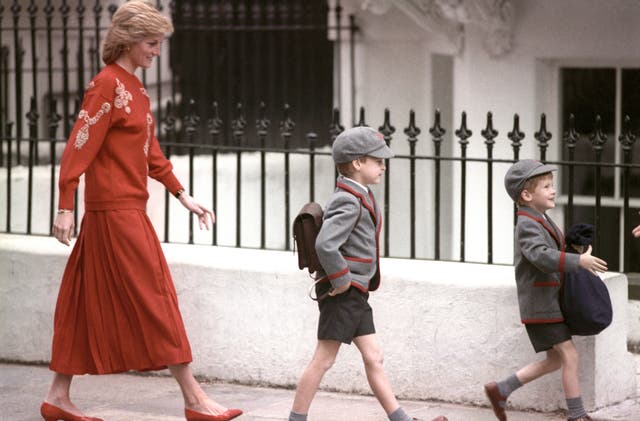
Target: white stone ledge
445 328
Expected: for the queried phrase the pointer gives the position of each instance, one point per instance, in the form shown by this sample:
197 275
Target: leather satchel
306 226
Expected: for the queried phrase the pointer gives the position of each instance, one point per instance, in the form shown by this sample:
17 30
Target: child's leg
539 368
322 360
570 378
372 357
499 392
569 356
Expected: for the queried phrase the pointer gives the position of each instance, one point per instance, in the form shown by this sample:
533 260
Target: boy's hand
339 290
636 231
592 263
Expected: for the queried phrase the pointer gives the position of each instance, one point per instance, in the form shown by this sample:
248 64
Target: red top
113 143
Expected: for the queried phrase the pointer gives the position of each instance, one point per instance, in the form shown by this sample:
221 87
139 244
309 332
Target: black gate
251 51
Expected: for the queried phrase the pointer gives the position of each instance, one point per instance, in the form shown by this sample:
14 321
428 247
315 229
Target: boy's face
369 170
541 196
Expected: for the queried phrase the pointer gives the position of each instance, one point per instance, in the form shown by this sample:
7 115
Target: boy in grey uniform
348 250
540 262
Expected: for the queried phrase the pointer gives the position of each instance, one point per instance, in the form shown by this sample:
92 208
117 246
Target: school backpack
306 226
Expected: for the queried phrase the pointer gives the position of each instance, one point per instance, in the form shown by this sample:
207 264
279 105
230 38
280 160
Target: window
612 93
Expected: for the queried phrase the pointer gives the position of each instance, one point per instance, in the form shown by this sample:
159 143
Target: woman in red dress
117 308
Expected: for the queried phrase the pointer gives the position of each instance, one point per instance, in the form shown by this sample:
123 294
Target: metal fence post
412 131
463 133
489 134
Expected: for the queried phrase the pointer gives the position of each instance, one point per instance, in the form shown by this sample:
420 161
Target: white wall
547 35
394 70
445 328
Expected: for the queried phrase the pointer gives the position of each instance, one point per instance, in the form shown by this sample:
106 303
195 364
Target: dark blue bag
584 298
585 303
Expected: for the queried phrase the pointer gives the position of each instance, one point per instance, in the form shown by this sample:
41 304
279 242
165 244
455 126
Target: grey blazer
540 261
348 242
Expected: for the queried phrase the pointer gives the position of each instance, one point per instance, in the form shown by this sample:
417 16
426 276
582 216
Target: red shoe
227 415
498 402
53 413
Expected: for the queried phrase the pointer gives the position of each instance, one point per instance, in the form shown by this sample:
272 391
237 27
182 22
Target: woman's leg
195 398
59 394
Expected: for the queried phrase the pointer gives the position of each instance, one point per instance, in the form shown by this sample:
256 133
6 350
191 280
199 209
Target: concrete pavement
133 397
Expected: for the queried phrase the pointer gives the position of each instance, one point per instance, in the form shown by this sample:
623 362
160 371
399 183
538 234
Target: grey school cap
518 174
357 142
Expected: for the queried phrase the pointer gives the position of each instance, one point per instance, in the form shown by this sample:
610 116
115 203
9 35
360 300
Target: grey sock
576 409
508 385
293 416
399 415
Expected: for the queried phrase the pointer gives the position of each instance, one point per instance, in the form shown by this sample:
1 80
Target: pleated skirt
117 308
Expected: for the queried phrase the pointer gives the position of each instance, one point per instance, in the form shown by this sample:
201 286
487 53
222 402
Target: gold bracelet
64 211
178 193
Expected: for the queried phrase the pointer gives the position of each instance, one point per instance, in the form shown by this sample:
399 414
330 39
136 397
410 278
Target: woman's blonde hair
134 21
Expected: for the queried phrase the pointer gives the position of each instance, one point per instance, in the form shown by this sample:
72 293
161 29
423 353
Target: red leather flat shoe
53 413
227 415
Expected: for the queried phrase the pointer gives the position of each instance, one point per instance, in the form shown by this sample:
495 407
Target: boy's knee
568 353
571 358
373 358
553 359
324 364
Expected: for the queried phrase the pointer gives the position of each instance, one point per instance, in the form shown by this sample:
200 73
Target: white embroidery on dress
144 92
122 97
146 143
90 85
83 134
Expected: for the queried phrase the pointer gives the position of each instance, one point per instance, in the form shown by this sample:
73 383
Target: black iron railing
41 83
608 233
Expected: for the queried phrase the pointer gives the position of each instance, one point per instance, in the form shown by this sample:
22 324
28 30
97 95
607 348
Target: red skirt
117 308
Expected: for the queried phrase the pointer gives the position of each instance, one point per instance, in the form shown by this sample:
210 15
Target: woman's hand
63 227
205 216
636 231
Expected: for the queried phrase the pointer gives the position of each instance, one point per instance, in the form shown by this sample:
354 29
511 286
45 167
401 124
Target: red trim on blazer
542 321
379 228
361 197
358 286
561 264
353 283
546 284
559 241
337 274
377 222
358 259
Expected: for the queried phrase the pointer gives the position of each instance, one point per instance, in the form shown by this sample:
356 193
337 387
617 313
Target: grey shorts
345 316
544 336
